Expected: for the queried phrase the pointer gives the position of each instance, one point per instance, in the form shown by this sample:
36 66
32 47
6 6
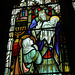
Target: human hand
39 24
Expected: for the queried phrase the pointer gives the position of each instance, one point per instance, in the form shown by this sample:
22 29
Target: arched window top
35 2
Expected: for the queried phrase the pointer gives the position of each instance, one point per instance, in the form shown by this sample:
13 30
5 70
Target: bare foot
25 69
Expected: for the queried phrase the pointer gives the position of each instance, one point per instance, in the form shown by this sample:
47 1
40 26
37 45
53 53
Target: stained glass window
37 44
73 3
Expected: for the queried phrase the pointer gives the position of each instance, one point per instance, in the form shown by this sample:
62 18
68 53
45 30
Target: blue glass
34 23
23 12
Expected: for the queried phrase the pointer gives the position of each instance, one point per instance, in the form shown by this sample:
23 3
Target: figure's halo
55 16
24 37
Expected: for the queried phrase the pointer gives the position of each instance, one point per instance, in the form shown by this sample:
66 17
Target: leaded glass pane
37 44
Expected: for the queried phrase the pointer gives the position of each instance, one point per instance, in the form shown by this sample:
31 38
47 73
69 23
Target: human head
27 42
27 45
42 15
24 37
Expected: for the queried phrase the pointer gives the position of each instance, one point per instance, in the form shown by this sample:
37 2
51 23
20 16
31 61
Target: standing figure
44 32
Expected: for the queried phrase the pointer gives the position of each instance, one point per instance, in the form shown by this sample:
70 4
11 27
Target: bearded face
42 15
